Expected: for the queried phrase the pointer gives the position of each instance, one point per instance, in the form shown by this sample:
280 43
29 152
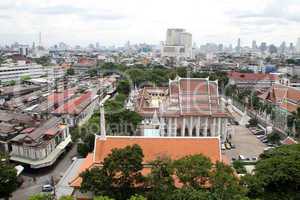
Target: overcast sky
116 21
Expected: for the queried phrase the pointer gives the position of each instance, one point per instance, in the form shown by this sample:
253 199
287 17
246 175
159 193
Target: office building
178 45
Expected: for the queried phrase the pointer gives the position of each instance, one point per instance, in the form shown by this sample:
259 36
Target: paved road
246 144
35 179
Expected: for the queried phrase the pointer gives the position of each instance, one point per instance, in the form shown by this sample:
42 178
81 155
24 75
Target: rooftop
153 148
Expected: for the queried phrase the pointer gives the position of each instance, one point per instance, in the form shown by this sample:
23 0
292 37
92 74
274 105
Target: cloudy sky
116 21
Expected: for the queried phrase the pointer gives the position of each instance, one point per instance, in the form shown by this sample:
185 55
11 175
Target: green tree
44 60
41 196
188 194
224 184
25 78
274 138
8 178
87 145
160 180
277 174
66 198
123 87
193 171
137 197
102 198
239 167
70 72
120 175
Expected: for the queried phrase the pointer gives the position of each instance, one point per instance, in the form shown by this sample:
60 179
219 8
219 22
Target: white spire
102 123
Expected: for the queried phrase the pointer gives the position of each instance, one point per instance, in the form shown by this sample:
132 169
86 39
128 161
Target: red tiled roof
251 76
57 97
289 141
287 98
74 105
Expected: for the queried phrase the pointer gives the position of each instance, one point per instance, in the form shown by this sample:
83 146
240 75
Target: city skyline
115 22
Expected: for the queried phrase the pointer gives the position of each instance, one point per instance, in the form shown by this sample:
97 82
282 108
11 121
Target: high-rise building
178 44
298 45
238 46
263 47
254 45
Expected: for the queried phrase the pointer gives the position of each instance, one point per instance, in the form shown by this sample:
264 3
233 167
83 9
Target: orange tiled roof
153 148
174 148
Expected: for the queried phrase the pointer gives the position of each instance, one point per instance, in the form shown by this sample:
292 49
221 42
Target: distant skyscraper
298 46
282 48
238 47
178 44
254 45
272 49
40 39
263 47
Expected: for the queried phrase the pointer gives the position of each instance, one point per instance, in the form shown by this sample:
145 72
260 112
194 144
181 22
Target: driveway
35 179
246 144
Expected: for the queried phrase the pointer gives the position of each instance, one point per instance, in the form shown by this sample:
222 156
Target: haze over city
149 99
115 22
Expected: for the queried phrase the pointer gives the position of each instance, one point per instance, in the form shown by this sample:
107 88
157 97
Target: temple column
191 127
175 127
198 120
214 129
183 127
219 126
169 126
206 126
162 126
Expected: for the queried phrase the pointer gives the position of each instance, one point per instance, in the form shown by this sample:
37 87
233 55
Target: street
34 179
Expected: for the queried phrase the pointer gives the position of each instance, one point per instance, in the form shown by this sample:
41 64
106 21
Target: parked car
254 158
241 157
223 147
265 141
47 188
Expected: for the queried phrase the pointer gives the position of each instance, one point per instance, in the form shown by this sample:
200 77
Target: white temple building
188 107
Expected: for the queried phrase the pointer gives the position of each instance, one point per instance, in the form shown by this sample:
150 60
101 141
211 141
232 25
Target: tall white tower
298 45
102 123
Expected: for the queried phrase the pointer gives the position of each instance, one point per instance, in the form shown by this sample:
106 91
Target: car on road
47 188
223 147
241 157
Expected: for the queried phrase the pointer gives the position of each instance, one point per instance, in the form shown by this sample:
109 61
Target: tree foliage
277 174
119 176
41 196
66 198
193 171
8 178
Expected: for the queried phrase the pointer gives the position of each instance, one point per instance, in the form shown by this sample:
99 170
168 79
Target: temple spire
102 123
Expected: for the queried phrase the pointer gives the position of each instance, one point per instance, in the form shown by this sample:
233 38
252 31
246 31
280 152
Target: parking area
245 143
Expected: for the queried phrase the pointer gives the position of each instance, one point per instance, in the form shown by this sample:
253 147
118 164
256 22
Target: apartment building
14 72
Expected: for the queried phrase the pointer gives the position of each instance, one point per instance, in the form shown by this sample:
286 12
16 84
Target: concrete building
178 45
189 107
14 72
40 147
298 45
252 80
